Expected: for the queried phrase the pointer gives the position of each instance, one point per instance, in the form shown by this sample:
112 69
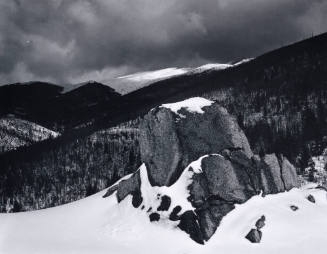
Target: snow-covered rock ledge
192 105
198 168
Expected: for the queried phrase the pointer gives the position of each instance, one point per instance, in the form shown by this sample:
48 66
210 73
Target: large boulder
226 179
229 173
170 140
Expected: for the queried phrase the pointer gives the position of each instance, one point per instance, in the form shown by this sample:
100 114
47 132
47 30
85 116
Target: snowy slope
16 132
101 225
129 83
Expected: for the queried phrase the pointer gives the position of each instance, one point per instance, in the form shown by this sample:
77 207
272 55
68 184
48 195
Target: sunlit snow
193 105
158 74
100 225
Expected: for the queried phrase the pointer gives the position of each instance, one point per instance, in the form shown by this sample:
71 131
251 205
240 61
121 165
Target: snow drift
96 225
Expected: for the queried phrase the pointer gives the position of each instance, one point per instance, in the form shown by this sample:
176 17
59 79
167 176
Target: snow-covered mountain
132 82
15 132
129 83
97 225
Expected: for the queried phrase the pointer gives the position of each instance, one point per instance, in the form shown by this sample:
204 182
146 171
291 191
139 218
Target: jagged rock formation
169 142
229 173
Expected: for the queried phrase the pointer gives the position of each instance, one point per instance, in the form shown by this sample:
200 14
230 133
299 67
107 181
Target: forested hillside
15 132
284 122
69 172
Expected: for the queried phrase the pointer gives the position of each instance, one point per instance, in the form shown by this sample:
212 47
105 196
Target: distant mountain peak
89 83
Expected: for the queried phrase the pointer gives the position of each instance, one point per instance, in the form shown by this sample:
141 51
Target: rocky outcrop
230 174
289 174
125 187
169 142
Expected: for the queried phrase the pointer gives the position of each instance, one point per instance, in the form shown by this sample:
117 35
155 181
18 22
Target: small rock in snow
174 214
154 217
254 236
294 207
311 199
261 222
165 203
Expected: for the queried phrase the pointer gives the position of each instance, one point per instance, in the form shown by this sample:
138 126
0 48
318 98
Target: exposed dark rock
319 187
226 179
199 191
254 236
261 222
129 186
137 199
208 224
294 208
270 175
311 198
289 175
154 217
165 203
174 214
189 224
160 148
110 191
169 143
249 166
219 211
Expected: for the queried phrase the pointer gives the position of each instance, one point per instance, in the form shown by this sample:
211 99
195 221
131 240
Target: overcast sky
67 41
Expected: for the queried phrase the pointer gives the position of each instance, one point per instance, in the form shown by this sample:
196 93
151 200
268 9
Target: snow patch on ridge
212 66
153 75
192 105
246 60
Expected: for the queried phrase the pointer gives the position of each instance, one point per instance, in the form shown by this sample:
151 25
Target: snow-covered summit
129 83
154 75
212 66
193 105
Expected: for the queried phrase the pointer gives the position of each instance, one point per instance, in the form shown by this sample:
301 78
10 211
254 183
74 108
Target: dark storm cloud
68 41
